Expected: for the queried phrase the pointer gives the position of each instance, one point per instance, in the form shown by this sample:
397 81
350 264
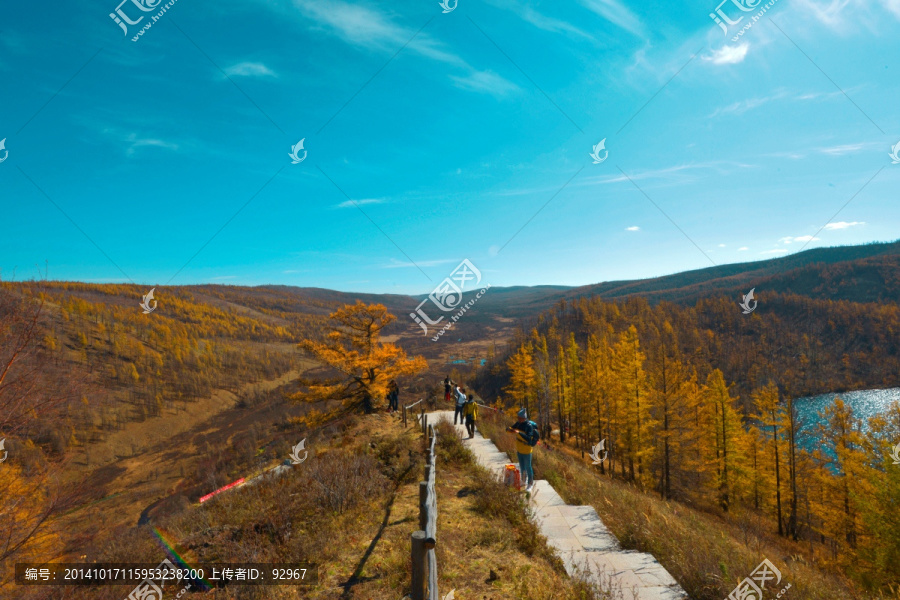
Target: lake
865 404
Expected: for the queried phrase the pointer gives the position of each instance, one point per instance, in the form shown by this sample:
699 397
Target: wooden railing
406 408
424 560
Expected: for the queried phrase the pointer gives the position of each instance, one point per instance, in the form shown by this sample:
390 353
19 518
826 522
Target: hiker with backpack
460 403
470 409
527 436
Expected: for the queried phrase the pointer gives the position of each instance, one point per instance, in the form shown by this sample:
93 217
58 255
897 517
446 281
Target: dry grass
707 553
357 527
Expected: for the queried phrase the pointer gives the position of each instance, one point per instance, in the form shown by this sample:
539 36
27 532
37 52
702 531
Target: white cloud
776 251
616 13
250 69
721 245
743 249
800 238
373 30
542 21
137 142
841 150
353 203
396 264
729 55
633 228
485 81
843 225
893 6
805 238
363 26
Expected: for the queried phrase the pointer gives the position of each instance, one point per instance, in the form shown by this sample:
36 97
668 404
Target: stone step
604 569
578 535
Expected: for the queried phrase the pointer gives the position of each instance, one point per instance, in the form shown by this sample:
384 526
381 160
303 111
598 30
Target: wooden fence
424 560
406 408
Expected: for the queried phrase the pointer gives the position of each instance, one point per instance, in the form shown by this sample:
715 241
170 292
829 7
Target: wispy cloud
843 225
485 81
616 13
743 249
633 228
136 142
893 6
842 150
728 55
799 238
743 106
396 264
542 21
250 69
353 203
373 30
363 26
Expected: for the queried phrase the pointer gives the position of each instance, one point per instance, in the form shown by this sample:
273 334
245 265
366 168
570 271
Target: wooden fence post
418 566
423 506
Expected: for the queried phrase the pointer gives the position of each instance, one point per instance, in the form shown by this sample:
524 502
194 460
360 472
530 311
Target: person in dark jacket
393 396
447 388
524 429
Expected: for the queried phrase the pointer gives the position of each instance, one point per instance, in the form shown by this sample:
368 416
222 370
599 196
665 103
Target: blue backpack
533 436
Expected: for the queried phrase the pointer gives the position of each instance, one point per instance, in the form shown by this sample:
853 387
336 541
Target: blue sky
479 124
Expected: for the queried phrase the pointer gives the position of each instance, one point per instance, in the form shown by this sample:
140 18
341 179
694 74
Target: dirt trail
146 461
136 437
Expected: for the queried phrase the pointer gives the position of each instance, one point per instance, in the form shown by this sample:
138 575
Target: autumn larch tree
366 364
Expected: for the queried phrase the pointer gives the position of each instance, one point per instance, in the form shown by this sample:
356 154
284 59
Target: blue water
865 404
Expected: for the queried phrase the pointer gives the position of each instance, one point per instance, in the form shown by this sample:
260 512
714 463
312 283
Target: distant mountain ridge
865 273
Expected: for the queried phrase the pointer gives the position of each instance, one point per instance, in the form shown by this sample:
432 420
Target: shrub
449 446
340 481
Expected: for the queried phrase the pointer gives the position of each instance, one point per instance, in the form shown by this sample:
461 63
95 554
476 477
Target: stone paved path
580 538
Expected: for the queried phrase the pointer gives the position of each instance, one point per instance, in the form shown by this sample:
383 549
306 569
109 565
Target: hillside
141 414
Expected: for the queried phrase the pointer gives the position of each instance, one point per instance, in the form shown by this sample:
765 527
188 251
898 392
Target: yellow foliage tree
522 376
352 347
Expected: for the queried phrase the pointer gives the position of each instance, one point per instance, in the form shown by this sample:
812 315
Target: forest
696 404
